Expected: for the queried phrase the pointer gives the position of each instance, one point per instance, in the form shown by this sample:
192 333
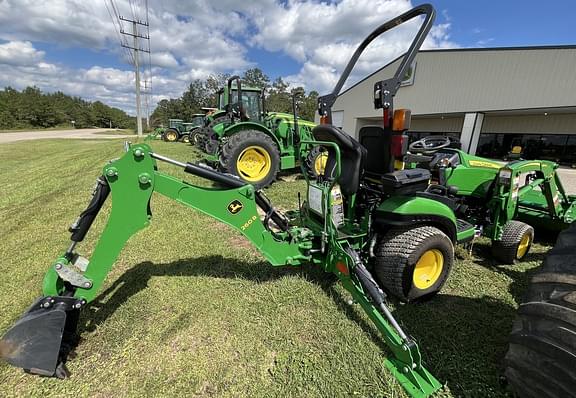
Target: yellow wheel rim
523 246
254 163
428 269
320 163
171 136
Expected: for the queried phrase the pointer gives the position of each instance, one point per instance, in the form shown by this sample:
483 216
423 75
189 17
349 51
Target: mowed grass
117 132
191 309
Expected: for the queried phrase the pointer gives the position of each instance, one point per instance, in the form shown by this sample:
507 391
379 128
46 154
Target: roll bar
384 90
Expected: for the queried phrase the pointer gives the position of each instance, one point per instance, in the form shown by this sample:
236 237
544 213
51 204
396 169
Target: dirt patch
243 243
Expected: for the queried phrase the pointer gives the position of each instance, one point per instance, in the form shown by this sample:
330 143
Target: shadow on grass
462 340
520 276
136 279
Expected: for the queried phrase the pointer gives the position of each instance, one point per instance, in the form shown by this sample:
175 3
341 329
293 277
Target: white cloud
164 59
323 36
19 53
194 39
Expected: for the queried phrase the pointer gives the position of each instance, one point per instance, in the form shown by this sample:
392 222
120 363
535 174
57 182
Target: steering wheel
429 144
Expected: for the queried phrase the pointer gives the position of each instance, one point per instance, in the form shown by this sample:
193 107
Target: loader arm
540 199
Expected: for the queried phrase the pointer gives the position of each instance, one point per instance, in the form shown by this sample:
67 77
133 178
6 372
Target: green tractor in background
246 140
178 130
226 112
371 226
503 201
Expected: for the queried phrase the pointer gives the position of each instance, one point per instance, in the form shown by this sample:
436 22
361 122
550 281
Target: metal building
494 99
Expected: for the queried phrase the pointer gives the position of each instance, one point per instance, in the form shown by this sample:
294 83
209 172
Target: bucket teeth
35 343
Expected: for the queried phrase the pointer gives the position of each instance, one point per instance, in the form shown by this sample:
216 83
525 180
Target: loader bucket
34 343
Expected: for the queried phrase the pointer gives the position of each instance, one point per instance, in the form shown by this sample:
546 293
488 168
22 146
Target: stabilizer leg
406 363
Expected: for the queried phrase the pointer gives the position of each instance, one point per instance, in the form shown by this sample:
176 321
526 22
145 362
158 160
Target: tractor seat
352 154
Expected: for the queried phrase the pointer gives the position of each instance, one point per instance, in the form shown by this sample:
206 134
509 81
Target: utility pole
147 91
136 49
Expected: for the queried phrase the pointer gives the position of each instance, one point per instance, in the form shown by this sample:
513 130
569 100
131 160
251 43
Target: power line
149 80
140 31
136 49
118 29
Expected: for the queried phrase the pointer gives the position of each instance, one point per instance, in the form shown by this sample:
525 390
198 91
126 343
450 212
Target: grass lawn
117 132
191 309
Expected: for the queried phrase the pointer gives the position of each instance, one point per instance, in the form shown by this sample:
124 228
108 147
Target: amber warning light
401 120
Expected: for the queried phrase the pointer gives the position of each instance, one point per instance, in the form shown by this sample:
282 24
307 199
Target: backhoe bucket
34 343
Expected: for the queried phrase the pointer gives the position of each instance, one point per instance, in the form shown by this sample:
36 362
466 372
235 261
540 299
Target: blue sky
73 46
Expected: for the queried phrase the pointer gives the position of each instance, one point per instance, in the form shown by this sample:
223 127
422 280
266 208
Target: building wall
563 123
465 81
437 124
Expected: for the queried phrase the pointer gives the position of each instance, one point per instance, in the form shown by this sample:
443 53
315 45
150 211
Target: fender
407 210
235 128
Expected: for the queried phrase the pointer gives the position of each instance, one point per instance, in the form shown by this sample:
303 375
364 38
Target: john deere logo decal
235 206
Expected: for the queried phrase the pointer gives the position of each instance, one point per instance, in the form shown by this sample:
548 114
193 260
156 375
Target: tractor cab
250 106
197 119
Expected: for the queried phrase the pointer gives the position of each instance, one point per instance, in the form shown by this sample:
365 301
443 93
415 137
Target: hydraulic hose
86 218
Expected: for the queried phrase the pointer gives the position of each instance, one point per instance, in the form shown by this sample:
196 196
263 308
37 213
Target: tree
278 97
32 108
256 78
203 93
309 106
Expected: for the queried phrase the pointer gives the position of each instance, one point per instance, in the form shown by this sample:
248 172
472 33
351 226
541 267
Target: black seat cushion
352 155
377 142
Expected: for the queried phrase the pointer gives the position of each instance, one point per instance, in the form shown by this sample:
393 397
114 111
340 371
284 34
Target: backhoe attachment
40 341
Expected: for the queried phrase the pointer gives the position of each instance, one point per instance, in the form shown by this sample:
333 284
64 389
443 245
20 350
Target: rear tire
541 358
316 161
413 263
252 156
515 243
170 135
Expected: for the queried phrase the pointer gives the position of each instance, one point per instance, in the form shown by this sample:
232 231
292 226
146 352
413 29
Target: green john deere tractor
252 143
227 112
361 221
336 227
178 130
503 201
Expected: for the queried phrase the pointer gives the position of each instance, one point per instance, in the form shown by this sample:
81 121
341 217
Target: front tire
252 156
185 139
413 263
170 135
193 136
515 243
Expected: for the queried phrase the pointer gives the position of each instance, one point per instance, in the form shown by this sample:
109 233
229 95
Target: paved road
568 177
35 135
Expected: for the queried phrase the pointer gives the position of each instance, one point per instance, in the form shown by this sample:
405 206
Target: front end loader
346 219
503 201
